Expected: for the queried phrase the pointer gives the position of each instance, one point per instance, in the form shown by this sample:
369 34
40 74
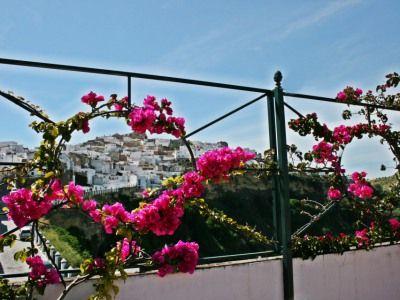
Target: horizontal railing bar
210 259
224 116
202 260
333 100
174 79
34 64
11 163
23 274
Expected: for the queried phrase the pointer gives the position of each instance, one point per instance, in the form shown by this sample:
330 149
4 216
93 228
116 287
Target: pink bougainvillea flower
24 206
394 224
55 192
110 224
334 194
85 126
89 205
95 215
161 216
323 152
75 193
121 104
341 96
341 134
141 119
124 249
152 117
111 216
217 164
360 188
92 99
349 94
192 186
362 237
151 103
182 257
37 267
40 273
52 276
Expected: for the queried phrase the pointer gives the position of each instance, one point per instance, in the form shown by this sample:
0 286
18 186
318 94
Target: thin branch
314 202
78 280
314 219
30 293
50 257
192 158
23 104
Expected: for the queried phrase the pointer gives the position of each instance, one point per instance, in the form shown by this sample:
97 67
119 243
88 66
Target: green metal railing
277 138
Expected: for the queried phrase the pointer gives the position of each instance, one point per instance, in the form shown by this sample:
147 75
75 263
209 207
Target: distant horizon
169 138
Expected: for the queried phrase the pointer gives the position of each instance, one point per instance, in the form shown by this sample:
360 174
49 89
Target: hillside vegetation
245 198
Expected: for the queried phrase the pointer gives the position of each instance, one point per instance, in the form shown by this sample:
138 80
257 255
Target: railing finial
278 78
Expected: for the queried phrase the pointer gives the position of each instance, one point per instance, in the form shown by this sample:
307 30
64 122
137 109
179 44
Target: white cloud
318 16
213 46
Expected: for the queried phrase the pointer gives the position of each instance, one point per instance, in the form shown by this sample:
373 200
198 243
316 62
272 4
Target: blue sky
320 46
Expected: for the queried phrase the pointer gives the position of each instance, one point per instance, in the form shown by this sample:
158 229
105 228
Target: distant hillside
245 198
384 183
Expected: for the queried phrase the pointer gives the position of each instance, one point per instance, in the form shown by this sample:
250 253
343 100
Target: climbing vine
376 220
160 212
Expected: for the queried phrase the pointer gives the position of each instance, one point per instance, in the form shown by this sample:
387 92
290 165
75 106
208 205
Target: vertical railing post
129 91
272 146
283 189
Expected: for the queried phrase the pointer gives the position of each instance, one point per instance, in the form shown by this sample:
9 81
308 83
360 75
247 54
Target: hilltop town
116 161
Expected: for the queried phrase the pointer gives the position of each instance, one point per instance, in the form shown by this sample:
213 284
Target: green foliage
8 240
245 198
69 245
11 291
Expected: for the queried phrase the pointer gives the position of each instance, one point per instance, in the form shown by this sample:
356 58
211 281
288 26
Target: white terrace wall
355 275
363 275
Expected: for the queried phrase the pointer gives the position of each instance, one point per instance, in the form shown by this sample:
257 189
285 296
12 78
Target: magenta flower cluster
182 257
40 273
92 99
153 117
24 206
217 164
323 152
360 187
126 248
342 134
121 104
394 224
349 95
156 118
362 237
111 216
162 216
326 152
334 193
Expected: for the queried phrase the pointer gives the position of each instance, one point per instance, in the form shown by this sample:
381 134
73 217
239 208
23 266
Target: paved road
7 257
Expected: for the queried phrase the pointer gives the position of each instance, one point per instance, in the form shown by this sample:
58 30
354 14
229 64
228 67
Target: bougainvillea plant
162 209
376 221
160 212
